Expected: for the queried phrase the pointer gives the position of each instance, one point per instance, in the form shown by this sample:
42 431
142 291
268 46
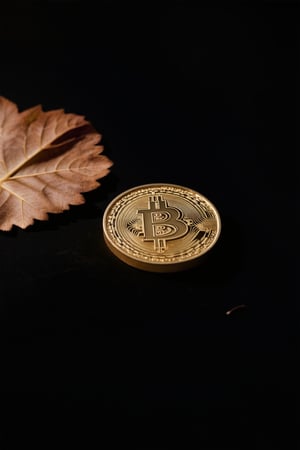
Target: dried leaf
47 160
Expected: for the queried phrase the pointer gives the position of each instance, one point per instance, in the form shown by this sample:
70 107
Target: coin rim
157 266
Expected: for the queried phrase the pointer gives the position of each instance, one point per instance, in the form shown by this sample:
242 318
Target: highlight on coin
161 227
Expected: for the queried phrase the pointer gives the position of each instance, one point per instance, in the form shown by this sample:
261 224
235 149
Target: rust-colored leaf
47 160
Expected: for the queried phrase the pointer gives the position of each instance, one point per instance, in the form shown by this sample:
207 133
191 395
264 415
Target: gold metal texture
161 227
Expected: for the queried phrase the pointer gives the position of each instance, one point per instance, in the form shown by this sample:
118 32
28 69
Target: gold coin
160 227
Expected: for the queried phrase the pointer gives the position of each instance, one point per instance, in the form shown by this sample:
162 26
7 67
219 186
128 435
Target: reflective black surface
98 353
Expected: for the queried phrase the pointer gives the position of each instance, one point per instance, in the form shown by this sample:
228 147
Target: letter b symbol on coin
162 222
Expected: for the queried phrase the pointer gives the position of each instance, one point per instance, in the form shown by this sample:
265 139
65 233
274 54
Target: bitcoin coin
160 227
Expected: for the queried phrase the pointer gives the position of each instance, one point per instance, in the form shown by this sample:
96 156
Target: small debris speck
235 308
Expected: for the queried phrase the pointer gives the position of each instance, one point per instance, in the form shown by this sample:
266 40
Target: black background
103 355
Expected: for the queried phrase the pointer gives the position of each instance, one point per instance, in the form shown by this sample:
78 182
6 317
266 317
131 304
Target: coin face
161 227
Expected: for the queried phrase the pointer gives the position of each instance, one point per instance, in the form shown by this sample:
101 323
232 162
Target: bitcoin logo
160 227
162 223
